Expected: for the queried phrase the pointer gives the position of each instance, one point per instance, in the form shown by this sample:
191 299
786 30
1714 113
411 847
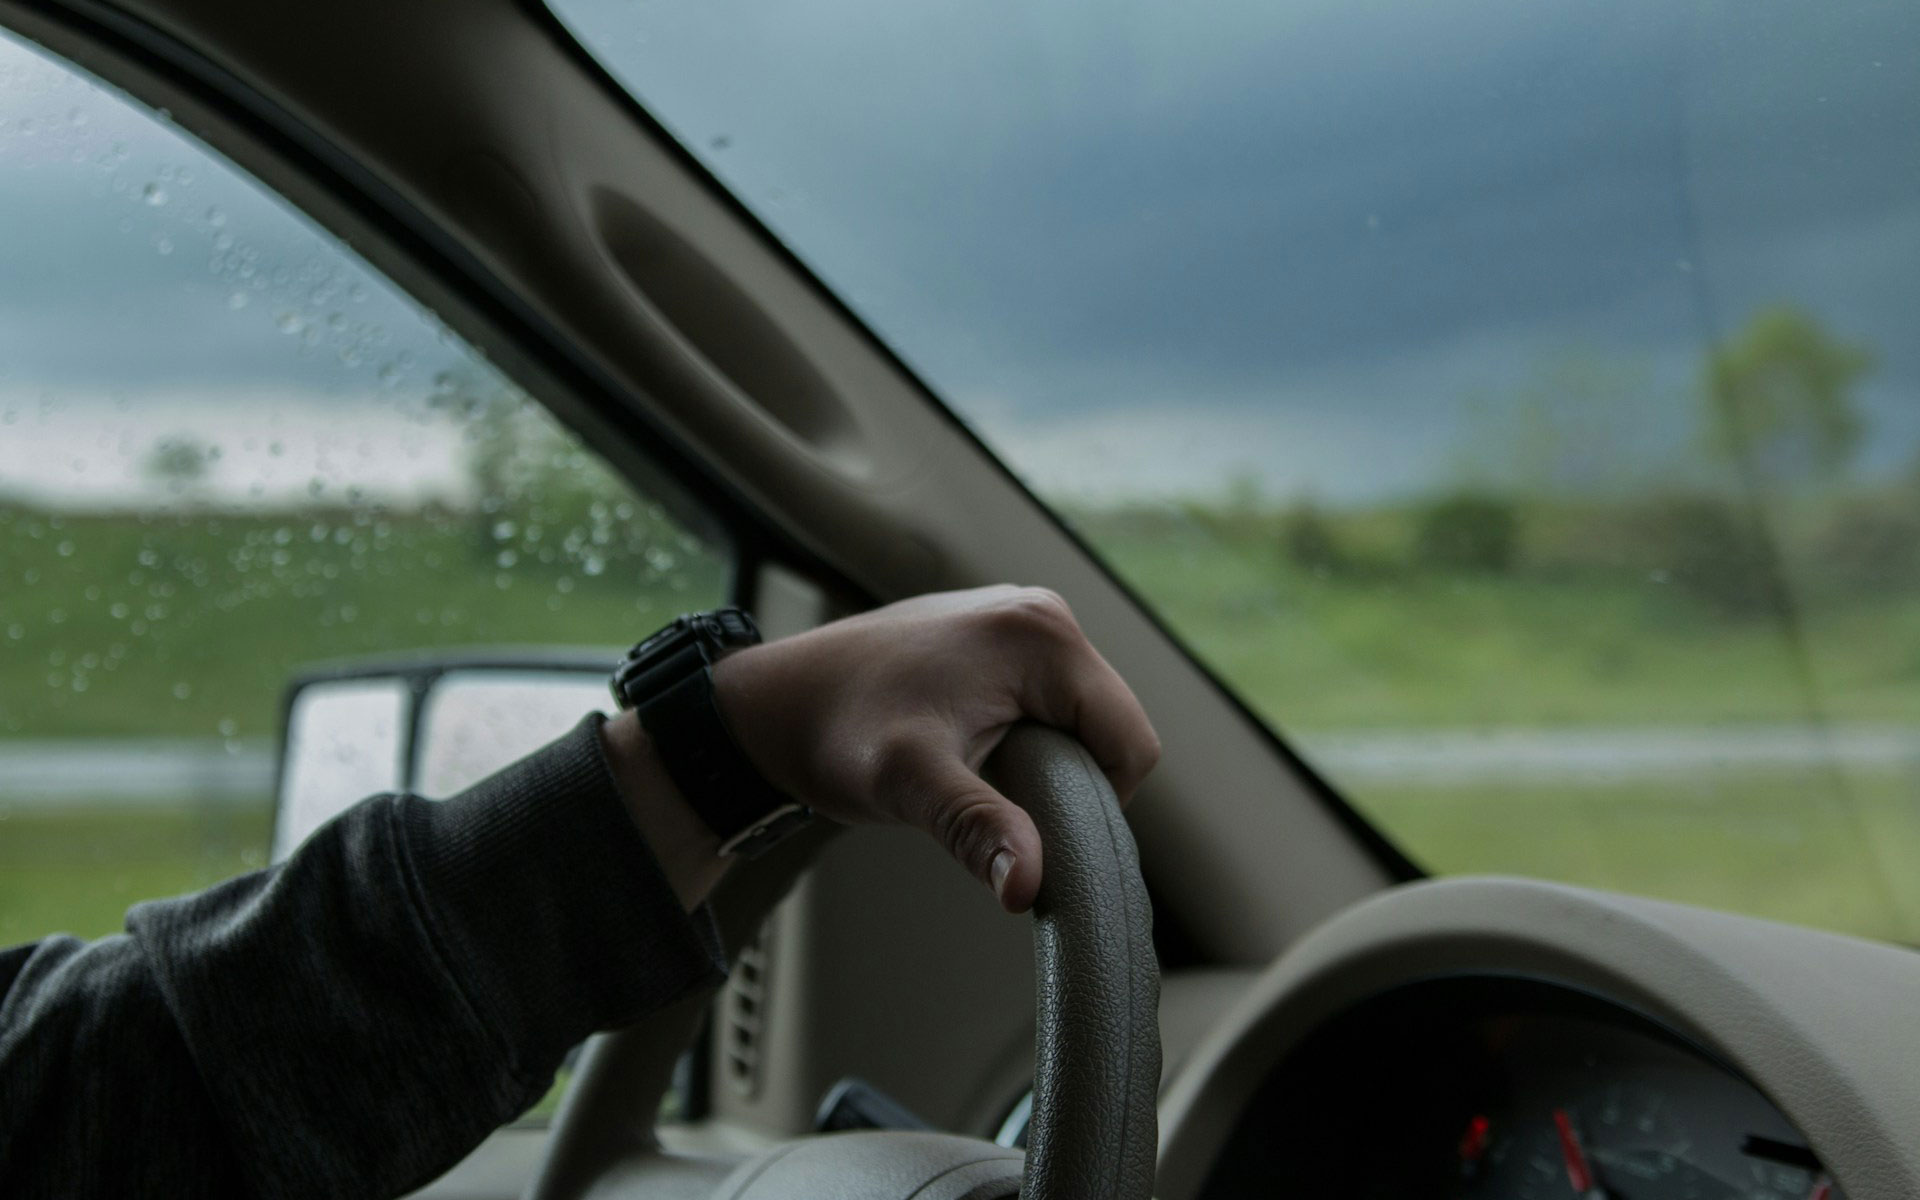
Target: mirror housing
432 725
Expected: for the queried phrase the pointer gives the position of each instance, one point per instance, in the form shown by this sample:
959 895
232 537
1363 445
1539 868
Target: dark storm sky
1139 246
1341 224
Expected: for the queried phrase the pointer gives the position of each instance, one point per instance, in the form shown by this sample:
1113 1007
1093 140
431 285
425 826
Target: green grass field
1412 649
1774 845
77 869
190 626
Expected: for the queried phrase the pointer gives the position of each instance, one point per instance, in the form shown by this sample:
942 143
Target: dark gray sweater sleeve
352 1022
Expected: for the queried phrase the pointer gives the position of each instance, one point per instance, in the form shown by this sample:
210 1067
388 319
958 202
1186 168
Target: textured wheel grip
1096 1071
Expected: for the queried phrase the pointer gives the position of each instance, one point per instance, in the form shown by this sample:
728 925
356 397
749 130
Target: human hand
887 716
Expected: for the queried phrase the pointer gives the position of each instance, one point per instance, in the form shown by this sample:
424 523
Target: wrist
688 852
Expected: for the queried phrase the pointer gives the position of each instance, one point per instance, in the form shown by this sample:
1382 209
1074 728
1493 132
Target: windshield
1517 404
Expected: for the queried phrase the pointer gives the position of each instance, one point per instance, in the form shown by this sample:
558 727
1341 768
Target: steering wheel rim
1094 1130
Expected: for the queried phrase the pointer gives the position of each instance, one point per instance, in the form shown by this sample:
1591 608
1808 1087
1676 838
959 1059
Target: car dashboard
1506 1039
1484 1087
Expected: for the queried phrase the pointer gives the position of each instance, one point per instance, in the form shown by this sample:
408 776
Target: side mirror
431 726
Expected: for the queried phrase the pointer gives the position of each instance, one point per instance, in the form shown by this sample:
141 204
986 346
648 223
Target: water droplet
154 195
182 690
216 218
237 300
290 322
228 727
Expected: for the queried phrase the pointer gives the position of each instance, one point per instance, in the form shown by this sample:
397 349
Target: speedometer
1629 1142
1510 1089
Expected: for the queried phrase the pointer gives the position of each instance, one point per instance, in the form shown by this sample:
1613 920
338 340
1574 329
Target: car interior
1268 997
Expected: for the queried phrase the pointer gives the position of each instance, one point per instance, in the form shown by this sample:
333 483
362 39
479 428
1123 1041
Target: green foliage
1308 540
1780 398
1469 532
1606 638
180 462
1704 546
1870 545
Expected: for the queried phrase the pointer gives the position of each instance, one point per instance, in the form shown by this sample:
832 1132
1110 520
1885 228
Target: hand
886 717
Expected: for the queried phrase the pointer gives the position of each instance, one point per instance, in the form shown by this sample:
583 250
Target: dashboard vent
743 1016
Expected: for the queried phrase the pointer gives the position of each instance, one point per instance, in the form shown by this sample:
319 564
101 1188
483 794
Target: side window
229 449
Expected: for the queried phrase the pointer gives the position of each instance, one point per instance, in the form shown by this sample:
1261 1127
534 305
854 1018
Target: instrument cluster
1493 1088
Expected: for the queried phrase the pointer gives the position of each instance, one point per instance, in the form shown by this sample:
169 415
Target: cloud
1311 237
269 450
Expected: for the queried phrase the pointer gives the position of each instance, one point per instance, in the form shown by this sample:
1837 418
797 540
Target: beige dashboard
1826 1027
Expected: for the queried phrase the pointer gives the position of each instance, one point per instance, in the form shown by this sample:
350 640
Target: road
52 773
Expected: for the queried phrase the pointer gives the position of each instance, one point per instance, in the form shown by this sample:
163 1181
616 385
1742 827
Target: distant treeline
1739 557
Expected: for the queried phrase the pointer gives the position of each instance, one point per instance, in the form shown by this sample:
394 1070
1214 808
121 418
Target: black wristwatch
667 681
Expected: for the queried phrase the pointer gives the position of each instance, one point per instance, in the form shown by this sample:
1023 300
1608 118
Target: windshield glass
1518 404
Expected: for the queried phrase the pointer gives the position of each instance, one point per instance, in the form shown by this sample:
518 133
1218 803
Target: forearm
356 1020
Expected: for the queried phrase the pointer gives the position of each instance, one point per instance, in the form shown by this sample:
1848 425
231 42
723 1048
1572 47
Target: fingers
988 834
1070 686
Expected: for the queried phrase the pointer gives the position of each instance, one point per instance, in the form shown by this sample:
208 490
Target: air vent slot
743 1017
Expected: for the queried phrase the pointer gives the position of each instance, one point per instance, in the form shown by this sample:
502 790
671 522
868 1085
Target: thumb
990 835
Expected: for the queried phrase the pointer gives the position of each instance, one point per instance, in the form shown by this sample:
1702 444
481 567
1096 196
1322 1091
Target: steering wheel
1094 1130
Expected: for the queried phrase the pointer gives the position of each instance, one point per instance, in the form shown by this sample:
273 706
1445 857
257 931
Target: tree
1780 400
1308 541
179 462
1469 531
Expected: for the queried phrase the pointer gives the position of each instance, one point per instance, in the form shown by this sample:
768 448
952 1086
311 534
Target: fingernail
999 869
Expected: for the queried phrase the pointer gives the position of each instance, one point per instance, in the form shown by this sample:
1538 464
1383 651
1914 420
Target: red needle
1579 1174
1822 1189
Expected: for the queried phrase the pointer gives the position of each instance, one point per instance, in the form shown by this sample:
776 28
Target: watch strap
691 738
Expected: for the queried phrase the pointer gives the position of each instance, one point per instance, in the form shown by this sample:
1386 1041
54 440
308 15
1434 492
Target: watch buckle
759 837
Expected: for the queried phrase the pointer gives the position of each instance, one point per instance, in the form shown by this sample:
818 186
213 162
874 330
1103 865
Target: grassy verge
1780 845
77 869
1432 649
191 625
